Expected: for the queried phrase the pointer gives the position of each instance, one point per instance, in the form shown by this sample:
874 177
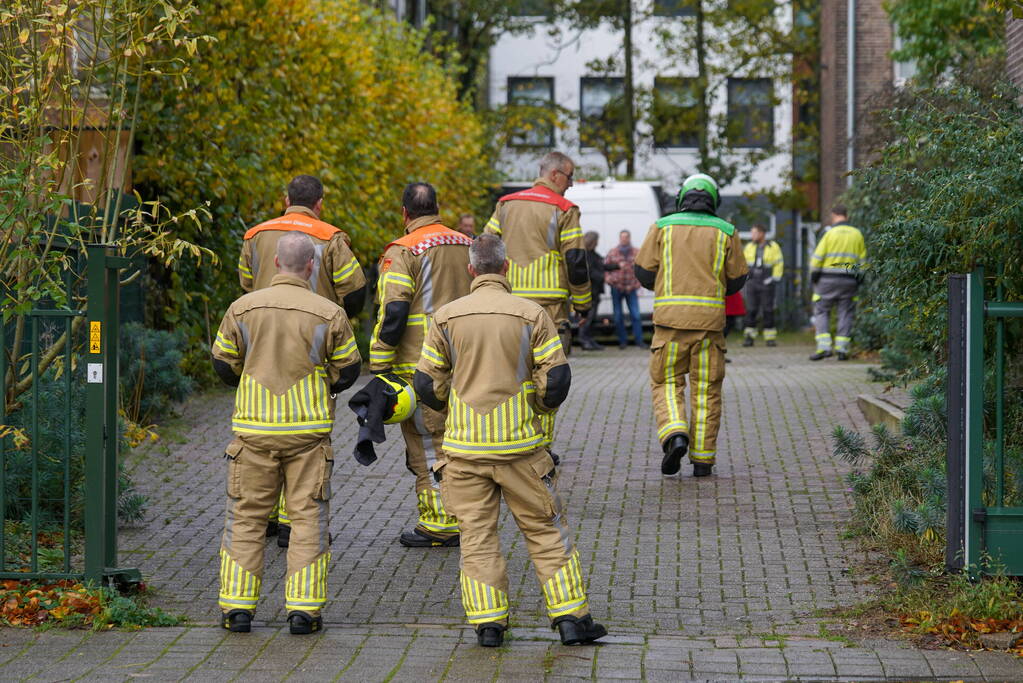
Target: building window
750 112
674 112
674 8
904 71
533 92
601 110
531 8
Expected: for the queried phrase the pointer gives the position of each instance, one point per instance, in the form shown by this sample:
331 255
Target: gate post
955 407
975 514
101 425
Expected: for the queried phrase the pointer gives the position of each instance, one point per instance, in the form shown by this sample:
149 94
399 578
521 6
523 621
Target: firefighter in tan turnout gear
495 361
692 260
336 274
546 252
419 273
288 351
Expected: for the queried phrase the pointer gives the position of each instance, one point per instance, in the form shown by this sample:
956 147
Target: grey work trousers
833 291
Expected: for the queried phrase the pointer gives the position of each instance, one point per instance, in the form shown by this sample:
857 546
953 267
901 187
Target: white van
610 206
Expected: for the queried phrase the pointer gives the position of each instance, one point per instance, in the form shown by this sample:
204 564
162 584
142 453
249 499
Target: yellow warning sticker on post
95 336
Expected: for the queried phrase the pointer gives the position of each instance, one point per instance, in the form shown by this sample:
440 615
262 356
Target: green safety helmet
699 181
404 398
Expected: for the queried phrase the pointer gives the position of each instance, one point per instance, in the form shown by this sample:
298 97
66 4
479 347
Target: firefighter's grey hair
487 254
554 161
294 251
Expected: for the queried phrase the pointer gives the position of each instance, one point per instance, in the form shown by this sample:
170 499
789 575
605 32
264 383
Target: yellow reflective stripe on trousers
540 279
239 588
823 341
345 272
709 301
701 385
282 510
676 421
564 592
482 603
306 589
508 428
432 514
303 409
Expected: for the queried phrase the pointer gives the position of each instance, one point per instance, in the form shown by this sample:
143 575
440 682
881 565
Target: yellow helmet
404 398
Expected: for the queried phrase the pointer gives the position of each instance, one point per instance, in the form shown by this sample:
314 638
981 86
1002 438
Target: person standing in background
766 266
467 225
624 288
596 265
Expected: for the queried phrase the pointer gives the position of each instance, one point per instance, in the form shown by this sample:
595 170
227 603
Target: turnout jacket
764 261
287 350
419 273
337 274
692 261
541 231
840 252
495 361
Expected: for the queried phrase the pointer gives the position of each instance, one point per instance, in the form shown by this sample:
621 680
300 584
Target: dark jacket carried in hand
372 405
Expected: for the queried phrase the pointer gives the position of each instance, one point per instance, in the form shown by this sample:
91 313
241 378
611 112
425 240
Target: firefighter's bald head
295 254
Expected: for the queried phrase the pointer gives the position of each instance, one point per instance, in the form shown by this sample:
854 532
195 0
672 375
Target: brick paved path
703 579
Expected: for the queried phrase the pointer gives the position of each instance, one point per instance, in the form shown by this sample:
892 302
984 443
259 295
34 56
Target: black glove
582 314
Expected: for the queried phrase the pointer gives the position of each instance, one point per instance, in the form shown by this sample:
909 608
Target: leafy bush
941 197
74 605
346 94
151 378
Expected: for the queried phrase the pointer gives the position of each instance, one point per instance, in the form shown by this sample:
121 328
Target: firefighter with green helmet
691 260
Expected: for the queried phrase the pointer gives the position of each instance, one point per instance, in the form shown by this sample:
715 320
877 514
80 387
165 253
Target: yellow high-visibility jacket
840 252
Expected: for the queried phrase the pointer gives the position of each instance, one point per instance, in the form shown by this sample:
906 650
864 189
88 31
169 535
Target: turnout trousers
834 291
424 438
701 355
528 484
255 479
760 299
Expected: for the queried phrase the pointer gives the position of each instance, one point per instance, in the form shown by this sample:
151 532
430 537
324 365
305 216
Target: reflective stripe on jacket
336 271
840 252
289 346
693 255
425 269
772 262
546 254
488 356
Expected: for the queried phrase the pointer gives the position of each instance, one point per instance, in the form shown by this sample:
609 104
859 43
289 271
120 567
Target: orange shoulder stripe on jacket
421 239
539 193
296 221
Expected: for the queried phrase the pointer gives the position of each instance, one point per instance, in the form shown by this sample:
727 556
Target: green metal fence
97 560
985 533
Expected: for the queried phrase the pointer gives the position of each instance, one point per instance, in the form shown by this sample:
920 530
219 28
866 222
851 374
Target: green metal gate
984 532
97 560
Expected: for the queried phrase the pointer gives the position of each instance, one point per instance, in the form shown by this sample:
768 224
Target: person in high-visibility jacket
289 352
836 269
336 274
495 361
419 273
692 260
766 267
546 252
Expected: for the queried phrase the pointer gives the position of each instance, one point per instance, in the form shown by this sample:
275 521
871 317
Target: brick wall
1014 50
873 75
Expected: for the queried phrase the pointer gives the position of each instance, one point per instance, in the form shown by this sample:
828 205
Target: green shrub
151 376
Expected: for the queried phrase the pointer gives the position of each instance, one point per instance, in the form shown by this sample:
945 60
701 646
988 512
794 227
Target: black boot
820 355
283 535
747 341
272 527
490 634
842 355
420 539
674 450
578 630
237 621
302 623
702 469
